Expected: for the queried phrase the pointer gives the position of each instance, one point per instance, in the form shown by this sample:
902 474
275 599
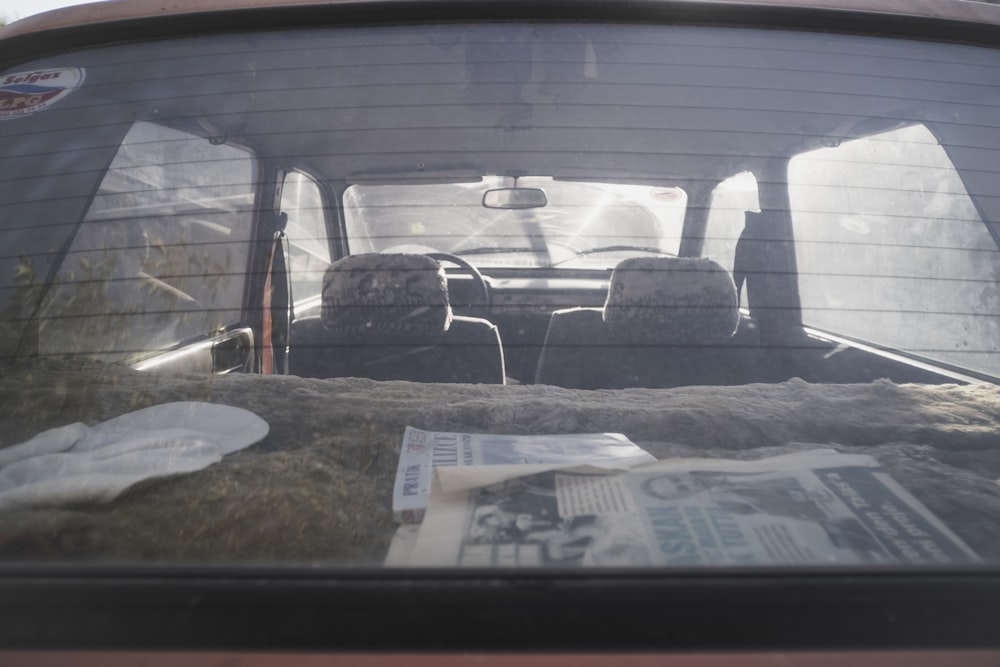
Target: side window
161 254
309 248
891 249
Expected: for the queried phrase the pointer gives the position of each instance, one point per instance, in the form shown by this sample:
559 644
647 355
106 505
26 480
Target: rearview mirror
515 198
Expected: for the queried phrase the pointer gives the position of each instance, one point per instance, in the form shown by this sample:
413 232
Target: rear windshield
502 295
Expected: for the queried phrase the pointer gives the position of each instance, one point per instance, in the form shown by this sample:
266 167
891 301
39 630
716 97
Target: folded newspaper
424 450
810 508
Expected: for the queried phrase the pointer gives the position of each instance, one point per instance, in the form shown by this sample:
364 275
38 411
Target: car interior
723 241
537 269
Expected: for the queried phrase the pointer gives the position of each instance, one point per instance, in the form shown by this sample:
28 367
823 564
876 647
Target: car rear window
289 297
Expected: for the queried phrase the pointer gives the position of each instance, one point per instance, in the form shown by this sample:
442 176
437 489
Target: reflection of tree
22 305
109 301
118 293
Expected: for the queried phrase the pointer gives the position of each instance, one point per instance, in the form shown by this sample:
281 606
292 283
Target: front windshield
591 225
504 295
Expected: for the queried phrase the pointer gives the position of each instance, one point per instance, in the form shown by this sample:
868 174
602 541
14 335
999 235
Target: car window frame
334 609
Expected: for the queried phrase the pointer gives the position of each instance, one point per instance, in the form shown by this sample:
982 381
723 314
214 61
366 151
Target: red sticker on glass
25 93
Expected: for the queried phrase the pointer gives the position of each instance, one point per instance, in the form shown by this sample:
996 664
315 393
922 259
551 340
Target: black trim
391 610
365 13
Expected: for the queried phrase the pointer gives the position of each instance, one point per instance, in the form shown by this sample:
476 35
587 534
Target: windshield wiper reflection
615 248
490 250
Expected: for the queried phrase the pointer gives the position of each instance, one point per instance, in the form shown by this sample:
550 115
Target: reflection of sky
19 9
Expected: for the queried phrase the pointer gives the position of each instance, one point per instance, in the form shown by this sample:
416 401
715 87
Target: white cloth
77 463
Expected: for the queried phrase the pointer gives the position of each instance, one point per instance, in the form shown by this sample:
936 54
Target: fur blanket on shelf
318 488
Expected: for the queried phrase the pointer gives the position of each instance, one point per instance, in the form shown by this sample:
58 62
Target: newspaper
811 508
424 450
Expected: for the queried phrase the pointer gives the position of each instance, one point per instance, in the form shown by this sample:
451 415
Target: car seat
668 321
388 317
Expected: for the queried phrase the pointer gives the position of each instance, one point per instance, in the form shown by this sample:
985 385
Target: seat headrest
672 300
385 294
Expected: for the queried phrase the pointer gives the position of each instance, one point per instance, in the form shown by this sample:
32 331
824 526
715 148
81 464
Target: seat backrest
666 323
388 317
671 301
